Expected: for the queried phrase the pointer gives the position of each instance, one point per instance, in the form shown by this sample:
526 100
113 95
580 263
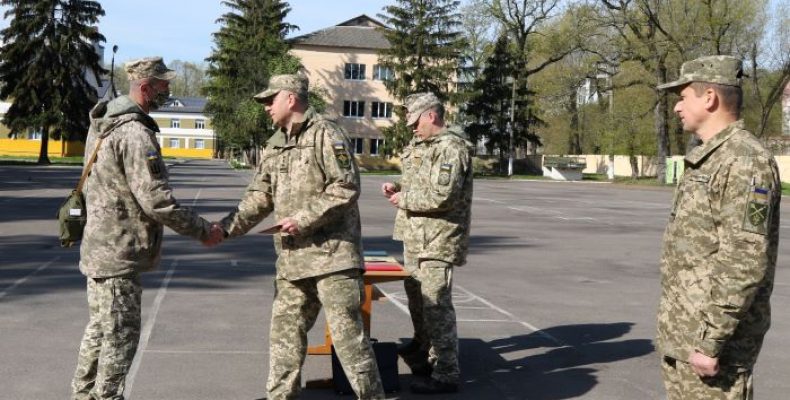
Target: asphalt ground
557 301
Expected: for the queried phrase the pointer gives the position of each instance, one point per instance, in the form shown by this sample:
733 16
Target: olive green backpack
72 214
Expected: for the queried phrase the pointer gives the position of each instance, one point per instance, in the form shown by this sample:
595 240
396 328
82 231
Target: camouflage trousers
110 339
295 309
429 290
682 383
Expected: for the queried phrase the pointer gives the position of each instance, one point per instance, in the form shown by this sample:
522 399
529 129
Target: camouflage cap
417 103
292 83
149 67
723 70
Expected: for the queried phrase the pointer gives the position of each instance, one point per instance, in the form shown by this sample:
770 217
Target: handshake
216 233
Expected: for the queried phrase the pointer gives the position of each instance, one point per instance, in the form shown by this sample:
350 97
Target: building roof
361 32
184 105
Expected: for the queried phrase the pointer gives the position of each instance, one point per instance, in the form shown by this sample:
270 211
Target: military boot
432 386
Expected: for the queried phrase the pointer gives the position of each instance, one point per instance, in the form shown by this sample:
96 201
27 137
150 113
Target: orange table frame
370 278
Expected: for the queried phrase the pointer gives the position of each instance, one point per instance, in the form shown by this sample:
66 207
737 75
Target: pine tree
489 106
424 54
47 53
250 47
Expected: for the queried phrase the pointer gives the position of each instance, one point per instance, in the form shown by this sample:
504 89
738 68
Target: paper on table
271 230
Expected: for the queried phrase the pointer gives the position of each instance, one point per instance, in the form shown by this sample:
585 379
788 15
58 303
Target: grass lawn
22 160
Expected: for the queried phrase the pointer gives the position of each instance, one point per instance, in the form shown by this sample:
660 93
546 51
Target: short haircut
439 110
731 97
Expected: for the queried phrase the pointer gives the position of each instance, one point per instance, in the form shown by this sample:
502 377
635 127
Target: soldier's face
421 128
692 108
279 107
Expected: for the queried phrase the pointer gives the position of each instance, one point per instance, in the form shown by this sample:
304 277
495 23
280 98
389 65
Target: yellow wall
31 148
187 153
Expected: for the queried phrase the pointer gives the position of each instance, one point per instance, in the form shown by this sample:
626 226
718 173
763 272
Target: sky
181 29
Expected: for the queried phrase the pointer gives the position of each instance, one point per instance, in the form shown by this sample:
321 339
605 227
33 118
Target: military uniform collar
433 138
700 152
281 138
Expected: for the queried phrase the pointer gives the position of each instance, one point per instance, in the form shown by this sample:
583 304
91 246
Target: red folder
382 266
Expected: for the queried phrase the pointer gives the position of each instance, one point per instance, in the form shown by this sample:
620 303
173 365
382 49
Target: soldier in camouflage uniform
128 200
720 246
308 178
434 200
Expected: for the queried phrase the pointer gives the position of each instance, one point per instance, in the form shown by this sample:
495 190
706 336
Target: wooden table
371 278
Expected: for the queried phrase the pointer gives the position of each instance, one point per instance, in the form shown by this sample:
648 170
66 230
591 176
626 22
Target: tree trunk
574 138
43 155
661 125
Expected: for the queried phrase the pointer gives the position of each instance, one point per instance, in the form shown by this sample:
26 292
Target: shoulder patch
155 165
341 154
444 173
758 210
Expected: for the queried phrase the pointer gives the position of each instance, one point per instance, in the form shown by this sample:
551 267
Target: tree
524 21
45 60
190 78
425 54
661 34
489 106
769 64
249 47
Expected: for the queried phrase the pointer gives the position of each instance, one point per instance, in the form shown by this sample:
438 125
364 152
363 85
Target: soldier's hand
703 365
388 189
289 226
215 235
395 199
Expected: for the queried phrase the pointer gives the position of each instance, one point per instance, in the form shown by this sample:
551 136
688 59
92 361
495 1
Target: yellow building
342 61
185 132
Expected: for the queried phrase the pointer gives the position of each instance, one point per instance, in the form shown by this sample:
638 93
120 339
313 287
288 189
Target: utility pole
511 127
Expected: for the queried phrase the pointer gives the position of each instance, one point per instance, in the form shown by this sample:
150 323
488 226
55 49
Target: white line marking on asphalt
197 196
484 320
149 326
394 301
28 276
511 316
471 307
206 352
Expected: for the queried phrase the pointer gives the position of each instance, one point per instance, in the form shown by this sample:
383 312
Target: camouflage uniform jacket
128 195
719 251
436 197
309 176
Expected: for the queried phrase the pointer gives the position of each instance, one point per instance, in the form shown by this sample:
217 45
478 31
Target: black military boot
432 386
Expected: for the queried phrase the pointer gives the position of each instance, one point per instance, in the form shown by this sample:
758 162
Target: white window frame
377 147
176 141
354 71
354 109
376 108
34 135
175 123
200 124
382 73
200 144
359 145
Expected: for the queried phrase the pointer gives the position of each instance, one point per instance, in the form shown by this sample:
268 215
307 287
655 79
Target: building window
375 146
174 143
34 135
354 109
382 73
200 124
175 123
355 71
358 145
381 110
200 144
